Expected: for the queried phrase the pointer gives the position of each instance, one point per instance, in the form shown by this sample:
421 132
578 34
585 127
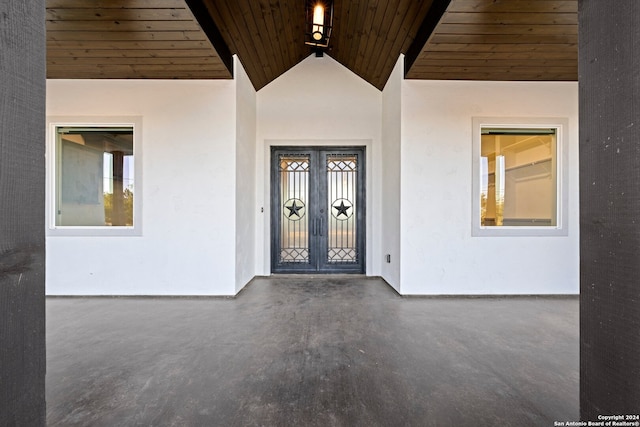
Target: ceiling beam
436 11
202 15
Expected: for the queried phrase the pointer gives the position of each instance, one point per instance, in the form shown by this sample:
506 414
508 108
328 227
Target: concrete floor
300 351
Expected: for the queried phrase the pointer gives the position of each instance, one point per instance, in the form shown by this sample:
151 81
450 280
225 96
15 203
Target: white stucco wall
206 148
391 167
245 176
188 213
439 255
319 102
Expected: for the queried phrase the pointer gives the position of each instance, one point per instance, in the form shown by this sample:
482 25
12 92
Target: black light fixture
318 23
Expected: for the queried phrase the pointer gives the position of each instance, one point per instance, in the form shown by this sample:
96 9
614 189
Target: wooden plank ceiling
475 39
502 40
128 39
367 36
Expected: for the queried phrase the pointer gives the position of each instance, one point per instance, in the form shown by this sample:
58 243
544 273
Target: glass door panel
342 180
317 210
294 192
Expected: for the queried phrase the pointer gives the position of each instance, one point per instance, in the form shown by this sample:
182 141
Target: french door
317 210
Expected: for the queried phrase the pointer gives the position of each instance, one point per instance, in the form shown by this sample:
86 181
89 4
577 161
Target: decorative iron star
342 209
293 209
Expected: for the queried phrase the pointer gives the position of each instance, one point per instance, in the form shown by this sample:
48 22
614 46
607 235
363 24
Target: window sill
507 231
95 231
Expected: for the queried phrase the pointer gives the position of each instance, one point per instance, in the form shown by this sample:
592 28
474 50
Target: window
518 186
95 179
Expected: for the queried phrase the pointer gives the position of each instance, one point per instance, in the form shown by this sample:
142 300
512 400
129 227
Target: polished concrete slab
302 351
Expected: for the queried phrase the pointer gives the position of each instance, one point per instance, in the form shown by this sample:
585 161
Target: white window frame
54 122
562 158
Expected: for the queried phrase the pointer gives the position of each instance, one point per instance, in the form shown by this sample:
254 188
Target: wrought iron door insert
317 210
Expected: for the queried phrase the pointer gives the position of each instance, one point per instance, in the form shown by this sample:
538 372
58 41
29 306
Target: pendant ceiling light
318 23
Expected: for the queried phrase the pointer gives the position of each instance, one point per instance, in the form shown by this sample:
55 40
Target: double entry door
317 210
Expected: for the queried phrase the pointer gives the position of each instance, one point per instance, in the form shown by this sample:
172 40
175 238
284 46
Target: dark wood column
609 34
22 172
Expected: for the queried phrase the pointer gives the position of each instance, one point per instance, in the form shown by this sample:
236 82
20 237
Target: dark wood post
22 228
609 34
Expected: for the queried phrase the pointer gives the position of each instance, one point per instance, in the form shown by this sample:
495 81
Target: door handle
320 226
314 227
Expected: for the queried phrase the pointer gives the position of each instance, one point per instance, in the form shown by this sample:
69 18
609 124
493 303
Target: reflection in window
518 184
94 183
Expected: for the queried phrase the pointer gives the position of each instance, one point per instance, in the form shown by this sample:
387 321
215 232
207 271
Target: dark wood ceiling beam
202 15
437 10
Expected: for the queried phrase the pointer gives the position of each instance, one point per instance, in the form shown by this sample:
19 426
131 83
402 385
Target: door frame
275 209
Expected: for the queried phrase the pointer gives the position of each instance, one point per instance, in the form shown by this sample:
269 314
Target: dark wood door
317 210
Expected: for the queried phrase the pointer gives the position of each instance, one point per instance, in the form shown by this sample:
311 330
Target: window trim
562 194
54 122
